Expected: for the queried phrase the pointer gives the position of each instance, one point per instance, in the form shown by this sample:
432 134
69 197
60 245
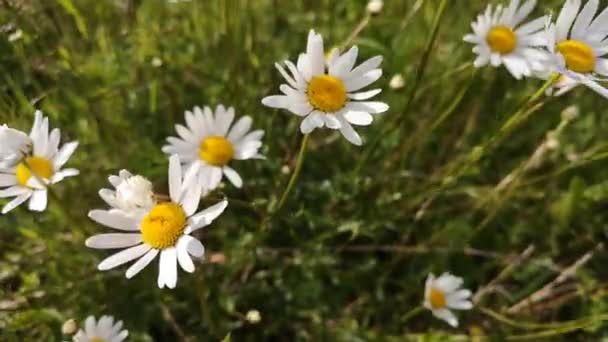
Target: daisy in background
327 92
31 171
163 229
212 141
133 193
104 330
444 293
577 41
501 38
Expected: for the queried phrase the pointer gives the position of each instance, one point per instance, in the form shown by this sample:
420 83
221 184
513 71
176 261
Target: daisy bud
397 82
253 316
157 62
375 6
14 144
69 327
570 113
135 192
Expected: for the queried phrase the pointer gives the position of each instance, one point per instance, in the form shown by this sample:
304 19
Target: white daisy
133 192
163 229
210 141
577 42
104 330
501 38
325 92
14 145
45 161
444 293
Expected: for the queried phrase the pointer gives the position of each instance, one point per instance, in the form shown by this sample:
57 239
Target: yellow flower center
437 299
163 225
501 39
97 339
326 93
41 167
216 150
578 55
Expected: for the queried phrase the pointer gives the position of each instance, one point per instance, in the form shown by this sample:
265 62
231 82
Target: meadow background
346 258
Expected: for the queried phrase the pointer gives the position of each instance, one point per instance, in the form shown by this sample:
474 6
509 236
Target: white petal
114 219
312 121
182 254
167 274
113 240
276 101
240 128
206 216
331 121
15 190
123 257
343 65
356 83
224 121
566 18
233 176
447 316
16 202
349 133
175 178
64 154
358 118
7 180
583 20
38 200
364 95
141 263
371 107
365 67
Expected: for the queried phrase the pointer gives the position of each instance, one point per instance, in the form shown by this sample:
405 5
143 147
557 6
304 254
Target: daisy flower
212 141
163 229
133 192
577 41
501 38
326 92
14 145
104 330
444 293
29 176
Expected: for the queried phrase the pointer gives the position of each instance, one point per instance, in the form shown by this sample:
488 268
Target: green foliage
347 257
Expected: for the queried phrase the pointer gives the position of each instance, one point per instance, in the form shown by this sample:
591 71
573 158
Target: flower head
501 37
133 192
163 229
577 42
375 6
14 145
104 330
444 293
326 91
212 141
29 176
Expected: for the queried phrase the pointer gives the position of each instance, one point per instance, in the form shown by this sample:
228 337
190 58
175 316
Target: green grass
346 258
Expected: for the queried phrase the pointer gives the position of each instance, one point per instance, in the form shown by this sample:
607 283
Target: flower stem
295 174
411 314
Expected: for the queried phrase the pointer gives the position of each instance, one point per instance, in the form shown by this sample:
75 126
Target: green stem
420 70
295 174
412 313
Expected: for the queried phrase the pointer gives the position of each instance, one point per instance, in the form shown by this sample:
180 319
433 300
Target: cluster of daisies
568 50
326 90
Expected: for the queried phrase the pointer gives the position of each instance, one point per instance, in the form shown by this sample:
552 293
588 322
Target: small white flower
14 145
31 176
375 6
577 41
133 192
104 330
163 229
253 316
15 36
501 38
325 92
212 141
444 293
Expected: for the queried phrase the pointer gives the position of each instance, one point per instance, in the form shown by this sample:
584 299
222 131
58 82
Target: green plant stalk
295 174
420 70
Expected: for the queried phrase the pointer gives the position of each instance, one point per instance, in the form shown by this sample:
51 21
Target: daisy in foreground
577 43
27 172
212 141
327 92
444 293
104 330
163 229
501 38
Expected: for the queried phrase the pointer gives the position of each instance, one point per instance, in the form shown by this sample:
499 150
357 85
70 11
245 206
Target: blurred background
347 257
